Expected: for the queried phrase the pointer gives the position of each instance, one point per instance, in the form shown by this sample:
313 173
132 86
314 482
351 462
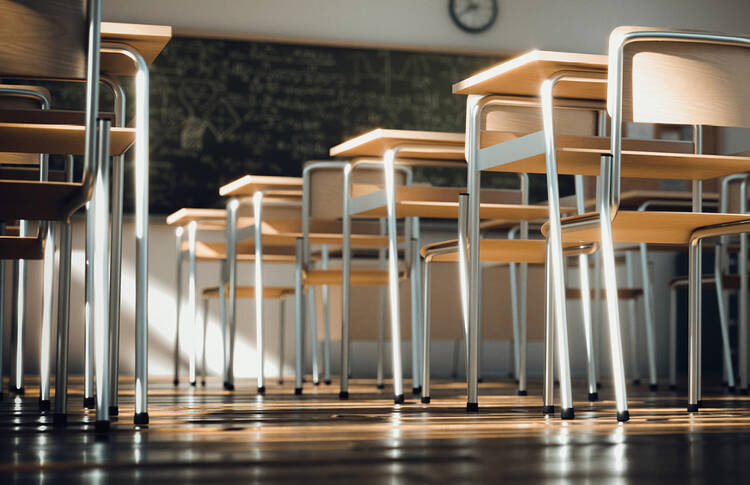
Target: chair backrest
44 39
672 77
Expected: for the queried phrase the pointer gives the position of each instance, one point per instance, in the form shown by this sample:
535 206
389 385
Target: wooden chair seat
648 227
216 251
249 291
495 251
358 277
622 293
60 139
14 247
34 200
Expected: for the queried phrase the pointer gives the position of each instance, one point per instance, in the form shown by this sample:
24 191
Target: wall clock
473 16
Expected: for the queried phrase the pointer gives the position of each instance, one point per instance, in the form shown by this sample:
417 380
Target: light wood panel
57 139
654 227
496 251
250 184
689 83
523 76
375 143
34 200
147 40
528 119
217 251
622 293
359 277
632 199
249 291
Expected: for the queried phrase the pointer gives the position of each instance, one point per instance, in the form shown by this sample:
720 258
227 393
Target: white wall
575 25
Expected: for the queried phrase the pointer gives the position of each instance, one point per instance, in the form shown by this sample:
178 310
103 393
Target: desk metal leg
229 333
299 318
48 293
632 326
648 309
426 335
258 278
192 301
326 323
549 340
694 327
673 337
723 318
313 319
18 319
381 315
203 342
88 327
415 340
282 335
178 303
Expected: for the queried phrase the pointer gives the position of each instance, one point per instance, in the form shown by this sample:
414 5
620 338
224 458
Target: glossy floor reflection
209 435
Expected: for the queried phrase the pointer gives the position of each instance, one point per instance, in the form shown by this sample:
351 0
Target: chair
31 50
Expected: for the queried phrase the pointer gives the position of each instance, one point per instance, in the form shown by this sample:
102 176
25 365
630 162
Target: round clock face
473 15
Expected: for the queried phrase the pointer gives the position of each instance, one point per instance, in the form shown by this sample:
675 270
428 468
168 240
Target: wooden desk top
250 184
633 199
523 76
436 145
185 216
148 40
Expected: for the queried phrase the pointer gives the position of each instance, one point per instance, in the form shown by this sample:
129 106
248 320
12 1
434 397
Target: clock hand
469 8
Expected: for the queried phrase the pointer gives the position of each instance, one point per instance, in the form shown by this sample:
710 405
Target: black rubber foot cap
593 396
327 382
598 385
479 379
140 418
523 392
297 391
59 419
623 416
700 403
114 410
228 386
176 382
743 392
636 382
89 402
472 407
316 383
548 409
262 390
343 395
653 387
101 426
44 405
398 399
20 391
280 382
692 408
192 383
672 387
416 390
732 390
568 413
1 396
203 383
426 400
381 386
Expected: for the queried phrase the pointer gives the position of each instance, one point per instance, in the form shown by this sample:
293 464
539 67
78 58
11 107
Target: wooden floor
208 435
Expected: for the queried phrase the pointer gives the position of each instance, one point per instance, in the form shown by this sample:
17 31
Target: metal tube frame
179 232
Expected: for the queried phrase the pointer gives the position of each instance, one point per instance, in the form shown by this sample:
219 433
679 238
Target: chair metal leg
513 355
299 318
178 304
694 326
48 293
723 319
63 323
648 309
583 268
229 338
192 301
597 315
480 321
18 319
632 324
203 342
415 340
100 263
223 278
326 322
673 337
258 277
282 335
426 335
381 315
313 319
346 266
88 327
548 389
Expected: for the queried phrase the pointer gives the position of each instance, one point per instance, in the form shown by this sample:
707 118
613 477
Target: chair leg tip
44 405
380 386
425 399
472 407
114 410
140 418
598 385
416 390
568 413
653 387
623 416
316 383
523 392
672 387
399 399
89 402
228 386
479 379
327 382
176 382
192 383
19 391
203 383
344 395
262 390
59 419
593 396
280 381
101 426
732 390
297 391
548 409
692 408
636 382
